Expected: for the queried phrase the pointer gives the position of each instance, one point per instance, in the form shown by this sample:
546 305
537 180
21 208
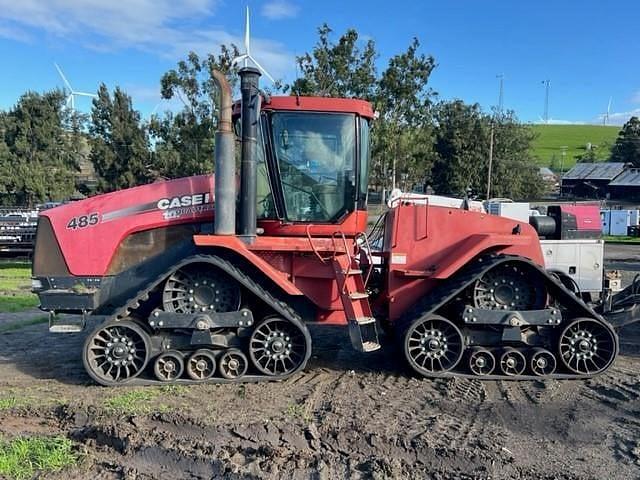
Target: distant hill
551 137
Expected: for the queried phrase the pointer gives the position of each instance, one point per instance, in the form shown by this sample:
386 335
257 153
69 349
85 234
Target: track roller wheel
201 365
169 366
587 346
510 286
542 362
481 361
512 362
200 288
116 352
278 346
233 364
433 345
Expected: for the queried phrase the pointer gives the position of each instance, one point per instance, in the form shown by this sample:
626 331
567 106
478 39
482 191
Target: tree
119 144
185 143
403 134
627 146
462 139
37 150
589 156
461 147
515 173
340 69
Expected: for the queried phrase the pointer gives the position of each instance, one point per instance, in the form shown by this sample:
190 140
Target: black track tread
446 292
280 307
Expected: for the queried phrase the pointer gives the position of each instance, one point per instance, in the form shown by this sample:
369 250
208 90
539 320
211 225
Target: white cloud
12 33
165 27
279 9
620 118
557 121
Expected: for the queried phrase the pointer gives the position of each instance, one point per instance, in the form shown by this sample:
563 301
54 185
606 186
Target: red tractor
187 290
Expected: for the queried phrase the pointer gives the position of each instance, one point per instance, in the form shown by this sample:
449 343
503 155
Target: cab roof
315 104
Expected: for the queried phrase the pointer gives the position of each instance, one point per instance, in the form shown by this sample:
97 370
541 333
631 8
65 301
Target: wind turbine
605 118
72 93
547 85
246 56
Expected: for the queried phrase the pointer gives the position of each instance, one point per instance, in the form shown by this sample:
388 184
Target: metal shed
590 179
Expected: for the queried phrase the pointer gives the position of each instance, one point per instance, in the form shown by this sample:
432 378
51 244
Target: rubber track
440 296
280 307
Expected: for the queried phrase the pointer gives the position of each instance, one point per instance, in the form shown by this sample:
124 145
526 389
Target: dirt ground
349 415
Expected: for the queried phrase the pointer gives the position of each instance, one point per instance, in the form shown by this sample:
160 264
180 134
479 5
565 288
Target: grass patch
131 402
298 410
18 303
22 458
14 268
620 239
551 137
9 403
178 390
12 326
15 287
15 277
15 401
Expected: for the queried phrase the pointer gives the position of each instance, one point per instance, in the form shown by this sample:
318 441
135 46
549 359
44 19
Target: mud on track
348 415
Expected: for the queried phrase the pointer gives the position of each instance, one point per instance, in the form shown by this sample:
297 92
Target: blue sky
588 49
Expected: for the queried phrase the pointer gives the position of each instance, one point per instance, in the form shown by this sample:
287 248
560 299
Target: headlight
36 284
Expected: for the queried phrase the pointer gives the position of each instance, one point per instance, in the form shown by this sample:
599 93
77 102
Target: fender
475 245
237 246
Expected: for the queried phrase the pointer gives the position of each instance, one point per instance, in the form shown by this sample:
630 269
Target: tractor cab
312 158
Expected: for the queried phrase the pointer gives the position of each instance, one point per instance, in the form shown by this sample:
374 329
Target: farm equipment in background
17 230
186 290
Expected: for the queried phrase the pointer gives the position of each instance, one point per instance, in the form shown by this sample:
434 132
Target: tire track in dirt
465 423
619 391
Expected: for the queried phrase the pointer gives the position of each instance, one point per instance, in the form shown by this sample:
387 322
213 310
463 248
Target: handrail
313 247
369 256
346 251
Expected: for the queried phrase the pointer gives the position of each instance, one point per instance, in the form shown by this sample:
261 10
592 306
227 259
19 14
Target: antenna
501 95
70 102
547 84
246 56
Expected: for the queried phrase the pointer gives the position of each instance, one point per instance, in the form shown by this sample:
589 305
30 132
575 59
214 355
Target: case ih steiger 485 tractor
187 290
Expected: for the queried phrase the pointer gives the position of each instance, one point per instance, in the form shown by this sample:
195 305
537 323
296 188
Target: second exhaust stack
249 83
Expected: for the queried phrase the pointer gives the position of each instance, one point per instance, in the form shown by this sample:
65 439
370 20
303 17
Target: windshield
315 153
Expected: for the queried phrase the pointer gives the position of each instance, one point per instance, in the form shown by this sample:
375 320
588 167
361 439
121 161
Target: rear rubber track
455 286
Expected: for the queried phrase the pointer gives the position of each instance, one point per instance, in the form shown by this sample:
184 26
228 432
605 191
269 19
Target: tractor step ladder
66 323
362 325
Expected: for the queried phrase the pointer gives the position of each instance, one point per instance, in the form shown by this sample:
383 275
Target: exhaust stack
225 164
249 80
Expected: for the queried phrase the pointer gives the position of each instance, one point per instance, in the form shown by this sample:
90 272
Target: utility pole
547 84
564 154
501 95
490 163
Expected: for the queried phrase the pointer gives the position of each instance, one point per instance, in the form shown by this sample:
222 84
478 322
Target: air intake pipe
249 87
225 163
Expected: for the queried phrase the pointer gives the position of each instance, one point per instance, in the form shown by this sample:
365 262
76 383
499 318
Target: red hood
89 231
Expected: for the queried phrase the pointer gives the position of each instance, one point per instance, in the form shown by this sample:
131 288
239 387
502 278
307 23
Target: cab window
315 154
